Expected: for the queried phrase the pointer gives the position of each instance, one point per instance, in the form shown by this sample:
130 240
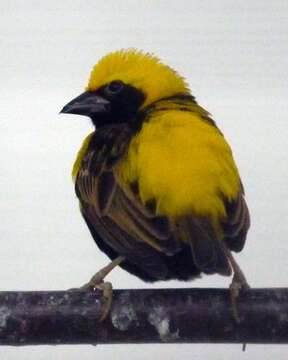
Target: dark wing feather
206 248
121 242
117 215
237 223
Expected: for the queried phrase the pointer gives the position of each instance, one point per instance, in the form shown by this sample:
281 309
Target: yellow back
184 163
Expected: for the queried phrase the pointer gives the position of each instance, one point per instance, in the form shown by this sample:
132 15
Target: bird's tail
207 249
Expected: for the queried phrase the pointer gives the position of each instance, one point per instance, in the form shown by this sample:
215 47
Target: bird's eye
114 87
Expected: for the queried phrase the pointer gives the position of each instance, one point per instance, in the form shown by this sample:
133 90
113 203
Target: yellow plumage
140 70
184 163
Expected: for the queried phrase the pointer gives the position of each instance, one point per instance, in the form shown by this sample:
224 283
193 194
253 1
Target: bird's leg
97 282
238 283
101 274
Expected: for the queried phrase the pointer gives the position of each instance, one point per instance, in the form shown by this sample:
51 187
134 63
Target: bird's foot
238 285
97 282
107 292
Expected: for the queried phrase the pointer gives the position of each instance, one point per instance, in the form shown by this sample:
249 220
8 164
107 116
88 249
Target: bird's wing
127 227
133 230
237 223
115 212
207 249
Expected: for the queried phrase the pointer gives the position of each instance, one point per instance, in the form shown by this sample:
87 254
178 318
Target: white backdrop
234 55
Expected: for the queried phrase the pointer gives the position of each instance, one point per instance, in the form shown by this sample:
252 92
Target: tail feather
207 251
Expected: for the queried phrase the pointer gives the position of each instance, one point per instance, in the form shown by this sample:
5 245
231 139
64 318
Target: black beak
88 104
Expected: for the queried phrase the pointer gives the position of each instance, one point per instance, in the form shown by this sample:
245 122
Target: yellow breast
182 162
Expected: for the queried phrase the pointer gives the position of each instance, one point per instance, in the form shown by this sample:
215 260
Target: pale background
234 55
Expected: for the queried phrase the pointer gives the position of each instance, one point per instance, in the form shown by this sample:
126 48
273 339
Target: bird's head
122 84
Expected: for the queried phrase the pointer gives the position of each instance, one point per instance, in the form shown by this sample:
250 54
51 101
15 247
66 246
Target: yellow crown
142 70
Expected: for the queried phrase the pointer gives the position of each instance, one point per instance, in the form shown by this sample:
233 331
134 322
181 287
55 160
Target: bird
156 180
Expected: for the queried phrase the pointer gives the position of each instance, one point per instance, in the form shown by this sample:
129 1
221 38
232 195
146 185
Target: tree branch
143 316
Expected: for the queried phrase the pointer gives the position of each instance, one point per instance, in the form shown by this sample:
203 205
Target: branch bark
143 316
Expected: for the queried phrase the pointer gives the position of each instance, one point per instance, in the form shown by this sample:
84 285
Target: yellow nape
184 163
81 153
141 70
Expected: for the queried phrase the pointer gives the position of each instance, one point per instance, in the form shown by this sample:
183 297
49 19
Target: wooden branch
143 316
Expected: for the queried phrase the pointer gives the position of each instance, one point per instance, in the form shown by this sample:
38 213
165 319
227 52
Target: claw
107 289
97 282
